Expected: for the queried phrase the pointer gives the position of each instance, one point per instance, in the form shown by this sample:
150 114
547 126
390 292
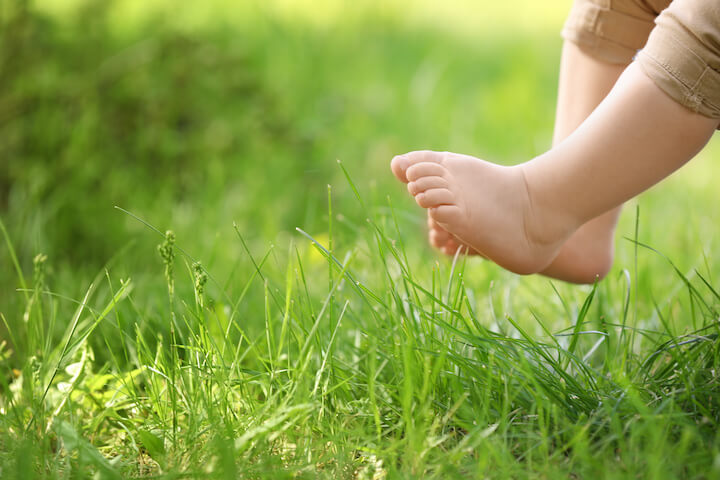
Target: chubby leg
521 216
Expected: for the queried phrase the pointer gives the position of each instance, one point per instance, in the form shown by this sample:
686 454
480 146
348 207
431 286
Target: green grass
291 329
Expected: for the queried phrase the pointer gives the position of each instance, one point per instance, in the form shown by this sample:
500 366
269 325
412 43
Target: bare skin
584 82
521 216
588 253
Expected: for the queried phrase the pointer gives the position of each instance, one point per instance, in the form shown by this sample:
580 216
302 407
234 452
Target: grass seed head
200 281
167 252
39 271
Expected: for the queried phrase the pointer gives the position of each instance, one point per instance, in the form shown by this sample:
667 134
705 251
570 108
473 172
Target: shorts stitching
708 69
690 95
671 71
595 37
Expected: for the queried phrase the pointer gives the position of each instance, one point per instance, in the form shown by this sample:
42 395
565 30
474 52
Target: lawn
208 270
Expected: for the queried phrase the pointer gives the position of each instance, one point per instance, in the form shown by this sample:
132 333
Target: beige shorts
677 43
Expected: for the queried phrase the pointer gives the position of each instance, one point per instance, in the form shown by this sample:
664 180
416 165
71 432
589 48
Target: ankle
548 219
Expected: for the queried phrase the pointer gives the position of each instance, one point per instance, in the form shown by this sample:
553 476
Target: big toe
401 163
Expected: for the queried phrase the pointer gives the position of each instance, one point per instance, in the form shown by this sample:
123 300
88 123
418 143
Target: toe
451 248
448 214
400 164
432 224
426 183
424 169
438 238
435 197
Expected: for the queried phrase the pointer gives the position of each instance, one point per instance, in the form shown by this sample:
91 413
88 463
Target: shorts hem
606 34
677 70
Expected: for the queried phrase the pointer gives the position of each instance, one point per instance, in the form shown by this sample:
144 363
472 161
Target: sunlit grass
372 364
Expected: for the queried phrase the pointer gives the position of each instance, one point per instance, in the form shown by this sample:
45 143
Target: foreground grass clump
363 365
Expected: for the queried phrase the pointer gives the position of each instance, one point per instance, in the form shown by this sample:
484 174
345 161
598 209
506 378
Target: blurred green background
195 115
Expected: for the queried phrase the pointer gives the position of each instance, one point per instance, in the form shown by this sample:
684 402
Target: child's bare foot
487 207
521 216
584 258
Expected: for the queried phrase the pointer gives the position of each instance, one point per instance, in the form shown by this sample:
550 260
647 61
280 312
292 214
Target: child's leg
521 216
584 83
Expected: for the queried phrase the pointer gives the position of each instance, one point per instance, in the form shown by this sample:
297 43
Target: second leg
584 83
